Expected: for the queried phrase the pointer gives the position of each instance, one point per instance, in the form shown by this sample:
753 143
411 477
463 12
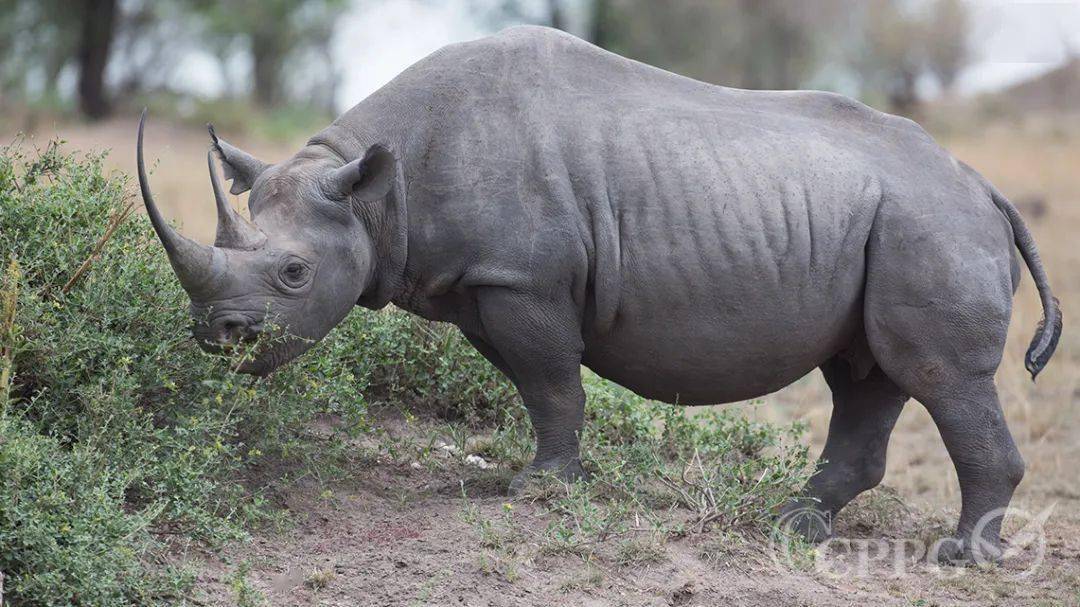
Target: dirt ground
395 535
399 534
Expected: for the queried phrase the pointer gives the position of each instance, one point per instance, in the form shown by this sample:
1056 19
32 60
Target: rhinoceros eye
294 274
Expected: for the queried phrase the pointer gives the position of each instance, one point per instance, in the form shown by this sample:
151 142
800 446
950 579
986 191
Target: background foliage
279 54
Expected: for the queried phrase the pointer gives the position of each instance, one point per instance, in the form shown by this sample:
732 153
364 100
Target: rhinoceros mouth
262 361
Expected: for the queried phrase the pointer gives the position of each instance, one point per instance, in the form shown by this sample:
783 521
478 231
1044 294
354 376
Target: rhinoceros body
697 244
714 241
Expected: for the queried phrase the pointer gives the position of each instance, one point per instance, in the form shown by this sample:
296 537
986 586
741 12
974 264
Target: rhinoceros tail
1048 332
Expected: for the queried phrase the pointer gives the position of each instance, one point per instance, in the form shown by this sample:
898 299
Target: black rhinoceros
564 206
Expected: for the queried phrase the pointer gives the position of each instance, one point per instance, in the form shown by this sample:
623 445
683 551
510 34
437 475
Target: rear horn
233 231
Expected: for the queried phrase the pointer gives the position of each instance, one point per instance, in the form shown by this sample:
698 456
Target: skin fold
697 244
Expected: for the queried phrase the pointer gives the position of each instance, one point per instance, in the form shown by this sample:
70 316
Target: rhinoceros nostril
231 331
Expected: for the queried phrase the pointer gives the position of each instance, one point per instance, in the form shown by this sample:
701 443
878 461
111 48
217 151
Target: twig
118 217
9 299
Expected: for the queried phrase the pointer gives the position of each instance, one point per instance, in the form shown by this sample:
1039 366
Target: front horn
192 262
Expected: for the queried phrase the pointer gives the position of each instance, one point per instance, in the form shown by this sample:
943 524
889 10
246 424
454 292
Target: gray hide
697 244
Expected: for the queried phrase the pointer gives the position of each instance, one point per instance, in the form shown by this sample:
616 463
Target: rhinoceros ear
369 178
242 168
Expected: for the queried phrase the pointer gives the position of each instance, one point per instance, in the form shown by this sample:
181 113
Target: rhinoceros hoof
565 471
958 552
806 521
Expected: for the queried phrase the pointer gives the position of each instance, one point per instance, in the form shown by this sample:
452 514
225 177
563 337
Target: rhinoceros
697 244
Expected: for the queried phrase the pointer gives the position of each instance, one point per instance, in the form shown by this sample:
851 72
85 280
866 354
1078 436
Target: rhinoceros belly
683 356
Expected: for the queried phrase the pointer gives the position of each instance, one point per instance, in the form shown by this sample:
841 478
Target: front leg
538 342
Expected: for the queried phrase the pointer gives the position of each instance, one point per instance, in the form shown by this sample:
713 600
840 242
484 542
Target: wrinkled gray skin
697 244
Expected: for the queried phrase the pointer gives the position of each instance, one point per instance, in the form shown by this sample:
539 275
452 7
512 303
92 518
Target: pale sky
1017 39
377 39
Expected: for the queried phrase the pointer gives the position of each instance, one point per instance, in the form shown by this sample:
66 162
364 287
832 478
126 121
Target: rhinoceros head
294 271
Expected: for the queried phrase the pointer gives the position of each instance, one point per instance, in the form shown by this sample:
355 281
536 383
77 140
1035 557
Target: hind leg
938 302
987 463
853 460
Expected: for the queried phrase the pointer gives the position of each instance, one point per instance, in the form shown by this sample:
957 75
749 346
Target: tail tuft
1038 355
1043 345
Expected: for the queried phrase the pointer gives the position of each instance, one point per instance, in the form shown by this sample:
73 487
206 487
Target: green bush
432 367
65 537
116 430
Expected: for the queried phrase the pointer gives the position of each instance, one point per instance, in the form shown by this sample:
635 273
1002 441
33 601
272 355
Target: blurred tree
37 40
502 13
600 23
98 21
897 44
884 46
151 39
749 43
946 36
773 44
887 56
273 32
40 39
129 46
557 18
